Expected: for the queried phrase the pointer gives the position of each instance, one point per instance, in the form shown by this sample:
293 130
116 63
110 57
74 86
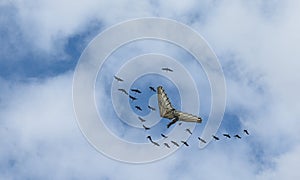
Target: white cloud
286 166
47 24
37 118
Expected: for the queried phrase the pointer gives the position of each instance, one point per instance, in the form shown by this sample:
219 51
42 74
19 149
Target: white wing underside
166 109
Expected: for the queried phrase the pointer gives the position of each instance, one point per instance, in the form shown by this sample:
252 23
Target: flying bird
237 136
164 135
141 119
167 69
152 89
167 145
175 143
185 143
188 130
216 138
202 140
246 131
150 139
118 79
155 143
166 110
132 98
172 122
124 91
227 135
152 108
136 90
138 108
145 127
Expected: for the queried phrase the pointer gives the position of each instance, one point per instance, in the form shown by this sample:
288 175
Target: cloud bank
255 41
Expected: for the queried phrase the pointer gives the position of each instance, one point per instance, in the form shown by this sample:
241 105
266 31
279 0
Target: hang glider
166 110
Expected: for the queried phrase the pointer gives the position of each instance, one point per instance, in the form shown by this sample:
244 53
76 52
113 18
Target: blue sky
256 43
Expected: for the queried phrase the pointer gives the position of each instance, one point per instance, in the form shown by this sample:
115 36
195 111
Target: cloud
257 45
286 166
264 78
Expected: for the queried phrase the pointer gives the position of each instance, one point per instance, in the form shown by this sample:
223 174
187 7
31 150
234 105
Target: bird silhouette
215 137
172 122
118 79
202 140
150 139
188 130
246 131
164 135
185 143
141 119
138 108
237 136
132 98
152 89
227 135
152 108
136 90
167 145
145 127
167 69
155 143
175 143
124 91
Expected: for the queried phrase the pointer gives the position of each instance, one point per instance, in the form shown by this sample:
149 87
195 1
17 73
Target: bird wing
155 143
167 69
117 78
174 143
152 108
166 109
182 116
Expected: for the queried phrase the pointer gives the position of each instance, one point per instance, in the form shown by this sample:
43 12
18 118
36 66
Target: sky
256 43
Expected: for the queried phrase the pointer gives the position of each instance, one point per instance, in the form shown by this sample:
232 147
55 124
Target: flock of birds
199 138
137 91
133 98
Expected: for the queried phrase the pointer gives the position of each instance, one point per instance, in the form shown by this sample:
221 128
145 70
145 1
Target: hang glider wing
187 117
166 109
